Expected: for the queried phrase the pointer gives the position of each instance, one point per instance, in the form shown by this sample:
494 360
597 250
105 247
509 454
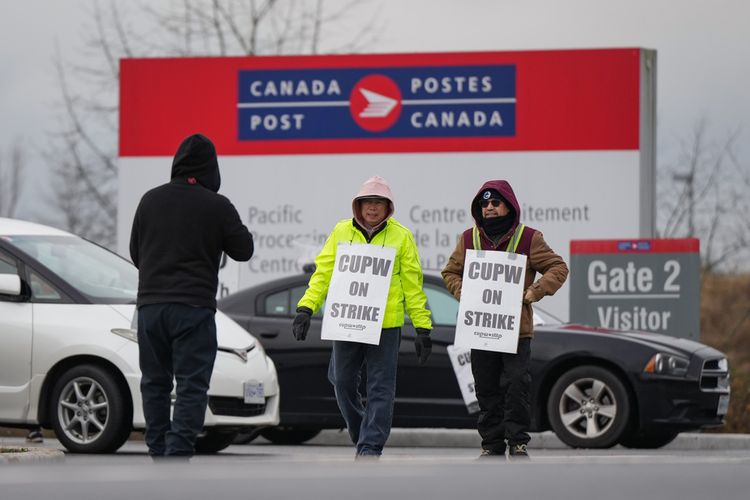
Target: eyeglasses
494 202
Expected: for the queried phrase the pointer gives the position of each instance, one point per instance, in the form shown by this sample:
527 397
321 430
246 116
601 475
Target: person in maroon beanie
502 380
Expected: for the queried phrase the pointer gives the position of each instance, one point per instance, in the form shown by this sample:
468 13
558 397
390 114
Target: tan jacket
541 259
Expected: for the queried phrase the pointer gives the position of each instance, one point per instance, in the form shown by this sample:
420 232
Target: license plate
254 393
723 405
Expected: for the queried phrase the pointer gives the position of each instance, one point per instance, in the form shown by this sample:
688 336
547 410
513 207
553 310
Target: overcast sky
703 55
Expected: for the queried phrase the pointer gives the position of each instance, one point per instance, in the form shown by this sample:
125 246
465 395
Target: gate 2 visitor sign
649 285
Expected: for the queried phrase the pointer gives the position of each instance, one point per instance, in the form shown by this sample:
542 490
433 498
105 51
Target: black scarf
498 226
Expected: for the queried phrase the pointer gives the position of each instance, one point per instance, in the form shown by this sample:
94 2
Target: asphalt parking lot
325 469
431 444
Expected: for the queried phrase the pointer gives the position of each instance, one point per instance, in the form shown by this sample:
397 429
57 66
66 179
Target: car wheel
588 407
91 413
246 437
648 439
288 435
214 440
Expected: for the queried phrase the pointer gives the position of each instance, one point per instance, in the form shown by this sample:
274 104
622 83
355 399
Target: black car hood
656 340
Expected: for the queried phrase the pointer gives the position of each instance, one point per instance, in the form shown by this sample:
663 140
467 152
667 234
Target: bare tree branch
713 200
11 180
83 151
122 35
102 41
228 17
216 24
317 21
71 107
281 35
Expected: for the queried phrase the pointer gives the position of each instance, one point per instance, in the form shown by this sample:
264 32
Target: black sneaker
35 436
492 454
518 452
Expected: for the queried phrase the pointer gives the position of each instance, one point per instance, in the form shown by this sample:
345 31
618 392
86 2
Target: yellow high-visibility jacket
405 293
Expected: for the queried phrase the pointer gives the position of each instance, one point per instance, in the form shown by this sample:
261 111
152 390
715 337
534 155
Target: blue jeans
175 341
369 425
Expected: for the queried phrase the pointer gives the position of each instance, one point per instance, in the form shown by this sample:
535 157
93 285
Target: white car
69 357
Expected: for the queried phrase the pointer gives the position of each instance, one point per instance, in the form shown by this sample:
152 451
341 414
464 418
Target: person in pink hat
372 223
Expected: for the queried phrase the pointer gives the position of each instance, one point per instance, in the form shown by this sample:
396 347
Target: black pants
503 386
175 342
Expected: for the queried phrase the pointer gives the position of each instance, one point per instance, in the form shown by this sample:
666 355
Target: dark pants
175 342
369 426
503 386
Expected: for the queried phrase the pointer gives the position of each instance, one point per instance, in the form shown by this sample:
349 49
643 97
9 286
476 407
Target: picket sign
461 361
358 293
489 314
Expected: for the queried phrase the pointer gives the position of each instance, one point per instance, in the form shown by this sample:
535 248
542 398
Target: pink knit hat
374 187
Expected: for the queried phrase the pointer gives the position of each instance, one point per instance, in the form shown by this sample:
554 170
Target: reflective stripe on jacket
405 293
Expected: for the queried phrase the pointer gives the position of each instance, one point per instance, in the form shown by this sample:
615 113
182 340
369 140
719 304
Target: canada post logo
375 103
634 246
452 101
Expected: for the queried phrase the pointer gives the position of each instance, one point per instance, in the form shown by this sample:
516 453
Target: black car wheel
214 440
91 413
246 437
648 439
289 435
588 407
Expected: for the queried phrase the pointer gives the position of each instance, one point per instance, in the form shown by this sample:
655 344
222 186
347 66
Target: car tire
289 435
90 411
214 440
246 437
588 407
648 439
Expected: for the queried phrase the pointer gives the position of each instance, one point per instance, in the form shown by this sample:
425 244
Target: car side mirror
10 284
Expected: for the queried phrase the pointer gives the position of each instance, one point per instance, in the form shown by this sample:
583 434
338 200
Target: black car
594 387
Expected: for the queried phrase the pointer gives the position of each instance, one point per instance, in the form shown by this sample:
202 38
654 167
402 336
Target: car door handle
269 334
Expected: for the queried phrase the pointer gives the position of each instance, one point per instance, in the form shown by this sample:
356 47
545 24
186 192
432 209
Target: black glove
423 345
301 323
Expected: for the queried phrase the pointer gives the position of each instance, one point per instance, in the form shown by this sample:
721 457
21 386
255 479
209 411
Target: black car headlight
667 364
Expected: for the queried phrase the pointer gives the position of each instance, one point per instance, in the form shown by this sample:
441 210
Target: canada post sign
648 285
357 103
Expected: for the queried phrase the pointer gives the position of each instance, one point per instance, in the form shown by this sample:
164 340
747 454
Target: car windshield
100 275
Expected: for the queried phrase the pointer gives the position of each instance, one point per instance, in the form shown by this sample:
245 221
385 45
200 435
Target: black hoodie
182 227
507 194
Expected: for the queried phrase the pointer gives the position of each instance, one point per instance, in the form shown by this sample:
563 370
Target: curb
467 438
34 455
694 441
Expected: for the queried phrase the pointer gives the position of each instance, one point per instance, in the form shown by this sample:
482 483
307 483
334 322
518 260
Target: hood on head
502 187
373 187
196 157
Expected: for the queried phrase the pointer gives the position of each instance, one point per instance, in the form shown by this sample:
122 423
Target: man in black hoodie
179 232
